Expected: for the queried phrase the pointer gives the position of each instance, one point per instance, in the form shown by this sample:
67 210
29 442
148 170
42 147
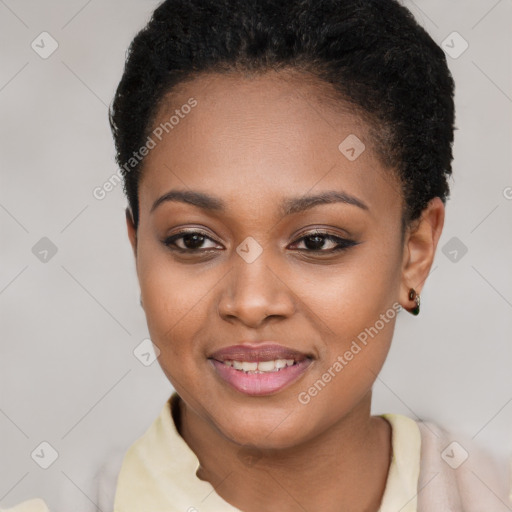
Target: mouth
273 365
259 370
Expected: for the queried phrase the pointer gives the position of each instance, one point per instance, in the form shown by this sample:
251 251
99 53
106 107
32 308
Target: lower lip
258 384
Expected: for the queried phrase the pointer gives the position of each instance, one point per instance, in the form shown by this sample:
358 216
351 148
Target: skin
252 142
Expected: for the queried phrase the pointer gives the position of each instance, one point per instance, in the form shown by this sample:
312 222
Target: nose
254 292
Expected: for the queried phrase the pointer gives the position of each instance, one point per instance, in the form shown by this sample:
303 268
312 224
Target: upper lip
263 351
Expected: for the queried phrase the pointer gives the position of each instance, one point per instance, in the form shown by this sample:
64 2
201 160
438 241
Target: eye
319 241
316 241
189 241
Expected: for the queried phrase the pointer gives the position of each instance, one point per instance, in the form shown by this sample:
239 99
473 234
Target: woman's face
261 271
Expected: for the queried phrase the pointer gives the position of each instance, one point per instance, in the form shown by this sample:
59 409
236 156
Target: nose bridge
253 291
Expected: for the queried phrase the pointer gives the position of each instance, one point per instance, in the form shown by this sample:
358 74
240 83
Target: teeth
261 366
266 366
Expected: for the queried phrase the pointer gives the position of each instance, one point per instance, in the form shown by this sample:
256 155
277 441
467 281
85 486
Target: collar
401 491
158 472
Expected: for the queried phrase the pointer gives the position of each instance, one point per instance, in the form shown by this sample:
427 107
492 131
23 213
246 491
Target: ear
132 230
420 245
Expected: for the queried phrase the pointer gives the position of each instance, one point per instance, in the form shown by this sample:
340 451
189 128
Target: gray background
70 323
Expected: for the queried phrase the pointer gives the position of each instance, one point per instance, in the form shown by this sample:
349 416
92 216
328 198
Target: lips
261 369
257 353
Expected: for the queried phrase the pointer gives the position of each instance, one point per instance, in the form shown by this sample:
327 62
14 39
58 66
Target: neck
343 468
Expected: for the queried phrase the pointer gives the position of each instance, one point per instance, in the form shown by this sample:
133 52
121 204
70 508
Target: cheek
352 358
173 297
355 309
352 296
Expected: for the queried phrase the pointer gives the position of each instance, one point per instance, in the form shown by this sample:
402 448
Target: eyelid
187 231
324 230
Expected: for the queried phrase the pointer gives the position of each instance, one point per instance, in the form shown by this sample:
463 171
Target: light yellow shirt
159 472
35 505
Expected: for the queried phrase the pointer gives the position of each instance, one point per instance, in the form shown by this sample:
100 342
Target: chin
264 428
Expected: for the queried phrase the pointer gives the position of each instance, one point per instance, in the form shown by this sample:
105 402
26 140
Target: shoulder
34 505
107 476
456 473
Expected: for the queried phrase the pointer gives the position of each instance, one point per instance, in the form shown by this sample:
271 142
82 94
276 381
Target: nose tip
253 293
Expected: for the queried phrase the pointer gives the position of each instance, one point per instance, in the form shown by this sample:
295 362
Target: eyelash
342 243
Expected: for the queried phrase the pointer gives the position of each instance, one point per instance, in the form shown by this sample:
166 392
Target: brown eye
189 241
324 242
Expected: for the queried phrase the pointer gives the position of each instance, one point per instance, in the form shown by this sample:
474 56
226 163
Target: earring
141 304
415 297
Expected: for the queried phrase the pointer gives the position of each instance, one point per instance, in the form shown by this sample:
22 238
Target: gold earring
416 298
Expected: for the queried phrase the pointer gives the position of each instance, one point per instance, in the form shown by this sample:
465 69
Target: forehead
262 137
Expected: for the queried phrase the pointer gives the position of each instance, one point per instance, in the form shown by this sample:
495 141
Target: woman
286 170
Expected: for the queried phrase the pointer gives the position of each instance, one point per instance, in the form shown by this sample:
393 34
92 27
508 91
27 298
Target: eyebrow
288 207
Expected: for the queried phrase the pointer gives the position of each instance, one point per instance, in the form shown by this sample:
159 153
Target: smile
260 378
274 365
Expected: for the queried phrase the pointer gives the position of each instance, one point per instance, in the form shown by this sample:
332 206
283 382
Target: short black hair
374 53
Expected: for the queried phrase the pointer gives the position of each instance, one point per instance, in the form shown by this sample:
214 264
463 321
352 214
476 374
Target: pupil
196 240
317 243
